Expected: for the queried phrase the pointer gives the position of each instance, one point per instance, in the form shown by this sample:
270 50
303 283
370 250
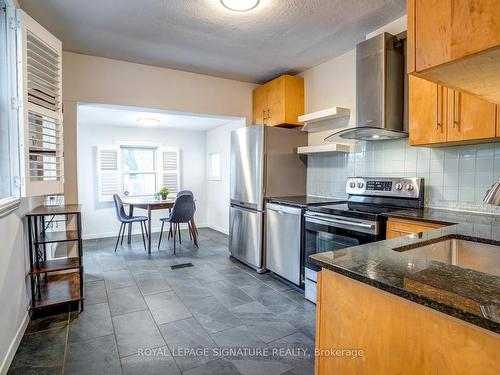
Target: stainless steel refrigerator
264 163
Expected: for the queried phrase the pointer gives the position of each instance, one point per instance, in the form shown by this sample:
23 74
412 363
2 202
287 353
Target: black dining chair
193 225
125 219
182 212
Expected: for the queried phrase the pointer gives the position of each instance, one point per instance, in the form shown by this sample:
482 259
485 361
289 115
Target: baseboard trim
218 229
11 352
95 236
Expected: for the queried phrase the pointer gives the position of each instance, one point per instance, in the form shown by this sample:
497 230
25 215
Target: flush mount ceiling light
148 121
240 5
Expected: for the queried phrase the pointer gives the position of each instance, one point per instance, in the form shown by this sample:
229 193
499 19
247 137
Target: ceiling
113 115
202 36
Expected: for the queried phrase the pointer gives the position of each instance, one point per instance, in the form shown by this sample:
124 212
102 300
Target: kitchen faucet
493 194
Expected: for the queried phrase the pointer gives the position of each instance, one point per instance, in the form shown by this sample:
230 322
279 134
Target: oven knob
360 185
399 186
352 184
410 187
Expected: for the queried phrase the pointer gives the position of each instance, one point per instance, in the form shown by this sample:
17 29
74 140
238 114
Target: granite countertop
466 287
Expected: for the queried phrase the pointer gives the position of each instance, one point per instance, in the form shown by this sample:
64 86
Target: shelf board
57 265
326 114
63 209
58 289
59 236
320 149
327 119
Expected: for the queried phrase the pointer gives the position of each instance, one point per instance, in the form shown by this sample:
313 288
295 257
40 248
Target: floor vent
182 265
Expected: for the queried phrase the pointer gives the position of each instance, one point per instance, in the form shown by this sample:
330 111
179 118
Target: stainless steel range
361 220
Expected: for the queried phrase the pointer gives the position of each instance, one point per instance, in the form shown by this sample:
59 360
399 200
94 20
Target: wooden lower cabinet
394 335
402 227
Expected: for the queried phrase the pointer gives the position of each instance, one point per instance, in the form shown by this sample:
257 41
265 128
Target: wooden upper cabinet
456 43
432 41
446 30
440 115
276 101
475 26
259 98
279 102
470 117
426 112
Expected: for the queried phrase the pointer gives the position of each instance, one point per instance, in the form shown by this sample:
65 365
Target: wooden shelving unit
54 281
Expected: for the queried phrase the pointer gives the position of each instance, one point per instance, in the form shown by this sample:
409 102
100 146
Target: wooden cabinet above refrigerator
279 102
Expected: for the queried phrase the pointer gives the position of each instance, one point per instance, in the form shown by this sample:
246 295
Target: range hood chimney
379 91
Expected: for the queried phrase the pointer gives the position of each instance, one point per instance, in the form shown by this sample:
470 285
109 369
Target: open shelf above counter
323 149
324 119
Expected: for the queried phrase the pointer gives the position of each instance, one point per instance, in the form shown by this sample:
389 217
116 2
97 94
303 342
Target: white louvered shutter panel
41 91
169 169
108 172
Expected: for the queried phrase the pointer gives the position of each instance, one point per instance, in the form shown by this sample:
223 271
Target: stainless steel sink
477 256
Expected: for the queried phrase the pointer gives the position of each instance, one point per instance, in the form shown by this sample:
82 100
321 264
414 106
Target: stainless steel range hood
379 91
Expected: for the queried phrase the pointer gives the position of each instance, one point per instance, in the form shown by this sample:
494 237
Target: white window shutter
108 172
40 91
169 169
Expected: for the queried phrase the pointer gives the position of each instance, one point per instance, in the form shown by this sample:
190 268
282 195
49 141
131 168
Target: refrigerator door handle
244 208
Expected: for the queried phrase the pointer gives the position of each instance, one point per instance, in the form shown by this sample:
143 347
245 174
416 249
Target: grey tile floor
142 317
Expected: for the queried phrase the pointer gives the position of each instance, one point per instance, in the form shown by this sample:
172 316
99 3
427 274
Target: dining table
149 204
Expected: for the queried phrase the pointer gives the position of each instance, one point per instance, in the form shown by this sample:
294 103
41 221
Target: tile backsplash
455 177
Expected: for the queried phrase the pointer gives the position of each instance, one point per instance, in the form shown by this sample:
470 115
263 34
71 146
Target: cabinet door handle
401 231
268 113
456 108
453 110
438 106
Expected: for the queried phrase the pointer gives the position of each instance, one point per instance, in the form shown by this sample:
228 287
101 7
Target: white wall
331 84
13 271
219 140
98 218
94 79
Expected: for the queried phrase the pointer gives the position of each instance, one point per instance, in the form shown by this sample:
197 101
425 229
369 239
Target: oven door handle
334 221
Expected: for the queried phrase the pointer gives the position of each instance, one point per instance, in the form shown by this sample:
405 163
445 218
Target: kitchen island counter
466 293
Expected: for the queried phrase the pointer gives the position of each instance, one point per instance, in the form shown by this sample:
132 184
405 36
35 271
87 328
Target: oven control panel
385 186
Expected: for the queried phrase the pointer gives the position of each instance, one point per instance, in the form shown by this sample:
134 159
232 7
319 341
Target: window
9 159
139 171
136 170
214 166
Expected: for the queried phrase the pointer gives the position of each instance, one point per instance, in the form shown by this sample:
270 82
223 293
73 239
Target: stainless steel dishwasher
283 239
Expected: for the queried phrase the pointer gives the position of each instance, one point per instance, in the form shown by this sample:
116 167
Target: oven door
324 235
